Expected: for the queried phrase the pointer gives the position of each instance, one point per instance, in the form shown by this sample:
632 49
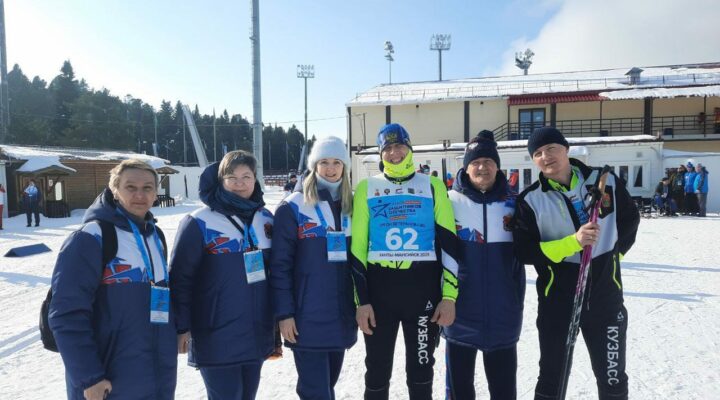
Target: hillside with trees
67 112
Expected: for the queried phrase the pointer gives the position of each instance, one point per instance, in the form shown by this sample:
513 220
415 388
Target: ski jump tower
197 143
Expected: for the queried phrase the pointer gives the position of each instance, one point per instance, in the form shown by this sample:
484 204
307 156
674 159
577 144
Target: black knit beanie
545 135
482 145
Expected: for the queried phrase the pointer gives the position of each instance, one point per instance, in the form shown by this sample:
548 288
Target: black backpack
109 250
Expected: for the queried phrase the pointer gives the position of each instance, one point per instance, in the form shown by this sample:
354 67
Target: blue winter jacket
305 285
690 181
491 279
230 320
700 184
100 317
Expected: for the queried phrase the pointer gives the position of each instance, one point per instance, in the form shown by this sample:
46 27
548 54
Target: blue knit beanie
392 134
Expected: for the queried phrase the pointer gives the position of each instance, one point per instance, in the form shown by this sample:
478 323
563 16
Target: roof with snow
49 159
713 90
597 81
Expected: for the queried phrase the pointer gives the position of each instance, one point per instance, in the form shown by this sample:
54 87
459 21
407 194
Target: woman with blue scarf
218 280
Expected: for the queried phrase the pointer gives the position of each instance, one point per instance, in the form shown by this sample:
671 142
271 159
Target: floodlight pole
439 65
305 71
440 42
256 94
390 60
389 51
4 99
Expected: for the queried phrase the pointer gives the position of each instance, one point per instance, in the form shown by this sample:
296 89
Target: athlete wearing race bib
404 266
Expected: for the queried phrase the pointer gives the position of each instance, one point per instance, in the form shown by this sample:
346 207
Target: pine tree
31 108
65 90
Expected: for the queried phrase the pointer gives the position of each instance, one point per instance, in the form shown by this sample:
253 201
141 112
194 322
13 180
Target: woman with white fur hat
310 276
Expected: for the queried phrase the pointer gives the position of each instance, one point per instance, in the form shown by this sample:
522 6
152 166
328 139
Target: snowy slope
671 277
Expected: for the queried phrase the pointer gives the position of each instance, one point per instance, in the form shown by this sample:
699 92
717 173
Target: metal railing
670 126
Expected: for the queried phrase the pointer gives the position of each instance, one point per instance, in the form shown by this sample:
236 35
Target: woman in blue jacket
218 280
310 279
112 324
491 279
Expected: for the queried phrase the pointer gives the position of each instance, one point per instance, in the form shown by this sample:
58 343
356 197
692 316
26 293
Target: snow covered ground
671 278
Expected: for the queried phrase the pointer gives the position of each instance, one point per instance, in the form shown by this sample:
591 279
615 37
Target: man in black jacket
677 188
551 228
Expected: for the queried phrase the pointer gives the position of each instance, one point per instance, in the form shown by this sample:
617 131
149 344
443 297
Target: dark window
530 119
527 177
638 182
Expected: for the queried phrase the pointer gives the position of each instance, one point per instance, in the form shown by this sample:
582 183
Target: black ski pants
500 371
691 203
407 298
33 209
679 198
604 330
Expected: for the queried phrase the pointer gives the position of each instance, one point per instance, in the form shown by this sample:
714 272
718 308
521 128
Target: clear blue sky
199 52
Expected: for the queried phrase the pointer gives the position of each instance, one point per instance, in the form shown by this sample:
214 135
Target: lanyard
324 223
144 251
250 239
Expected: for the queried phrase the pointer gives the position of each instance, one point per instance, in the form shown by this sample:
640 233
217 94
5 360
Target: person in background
700 186
449 181
514 180
691 201
290 185
491 279
551 228
112 323
311 277
32 198
677 188
218 280
663 200
404 253
2 204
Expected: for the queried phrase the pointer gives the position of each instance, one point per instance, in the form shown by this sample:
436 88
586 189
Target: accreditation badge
336 246
254 266
159 305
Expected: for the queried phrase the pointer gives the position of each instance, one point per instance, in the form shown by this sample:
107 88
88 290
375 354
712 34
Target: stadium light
305 71
389 51
440 42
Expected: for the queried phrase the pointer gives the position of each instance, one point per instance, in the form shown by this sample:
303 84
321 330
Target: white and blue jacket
230 320
491 280
317 293
100 315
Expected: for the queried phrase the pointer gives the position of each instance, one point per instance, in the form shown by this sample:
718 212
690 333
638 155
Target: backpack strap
162 239
109 242
109 250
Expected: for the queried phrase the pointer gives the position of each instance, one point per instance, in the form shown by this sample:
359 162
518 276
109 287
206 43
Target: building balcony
677 127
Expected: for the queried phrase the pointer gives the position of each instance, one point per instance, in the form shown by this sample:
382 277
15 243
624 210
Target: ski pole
596 193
